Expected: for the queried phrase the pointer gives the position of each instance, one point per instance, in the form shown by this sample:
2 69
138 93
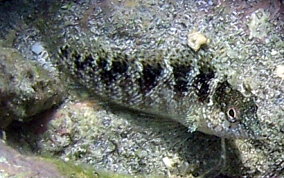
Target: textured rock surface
15 164
138 56
26 89
12 163
127 143
246 48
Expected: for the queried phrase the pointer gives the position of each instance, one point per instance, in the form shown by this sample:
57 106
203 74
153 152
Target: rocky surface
128 143
246 47
246 50
26 89
15 164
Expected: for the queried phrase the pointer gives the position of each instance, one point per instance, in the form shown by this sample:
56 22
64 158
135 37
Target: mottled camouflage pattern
150 68
246 47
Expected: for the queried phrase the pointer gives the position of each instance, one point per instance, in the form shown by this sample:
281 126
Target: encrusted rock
126 143
196 40
26 89
240 51
15 164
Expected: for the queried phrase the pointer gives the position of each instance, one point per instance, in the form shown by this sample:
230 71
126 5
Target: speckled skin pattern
188 93
137 56
246 47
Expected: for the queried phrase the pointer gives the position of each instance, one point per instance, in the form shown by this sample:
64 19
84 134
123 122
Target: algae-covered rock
246 50
26 89
115 141
15 164
12 163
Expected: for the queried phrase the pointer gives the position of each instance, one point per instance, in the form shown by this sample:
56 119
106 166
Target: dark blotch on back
120 64
202 83
182 78
64 52
118 67
150 75
81 63
105 73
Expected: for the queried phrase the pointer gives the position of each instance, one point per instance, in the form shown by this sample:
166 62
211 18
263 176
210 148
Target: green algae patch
111 175
69 169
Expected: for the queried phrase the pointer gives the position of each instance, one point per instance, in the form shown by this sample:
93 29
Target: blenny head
232 115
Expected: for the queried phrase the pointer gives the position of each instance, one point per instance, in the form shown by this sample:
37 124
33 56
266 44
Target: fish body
137 58
180 89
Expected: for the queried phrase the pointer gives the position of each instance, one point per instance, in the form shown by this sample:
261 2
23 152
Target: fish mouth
238 133
226 131
234 134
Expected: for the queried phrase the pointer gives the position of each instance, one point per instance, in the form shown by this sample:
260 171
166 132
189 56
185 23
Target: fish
150 69
187 92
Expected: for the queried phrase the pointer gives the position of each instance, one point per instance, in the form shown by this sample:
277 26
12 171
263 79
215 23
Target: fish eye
232 115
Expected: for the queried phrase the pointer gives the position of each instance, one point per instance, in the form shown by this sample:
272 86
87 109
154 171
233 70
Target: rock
13 163
196 39
240 51
126 143
26 89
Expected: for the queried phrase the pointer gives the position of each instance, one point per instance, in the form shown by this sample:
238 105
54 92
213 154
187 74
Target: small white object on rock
37 48
171 162
273 52
168 163
279 71
196 39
